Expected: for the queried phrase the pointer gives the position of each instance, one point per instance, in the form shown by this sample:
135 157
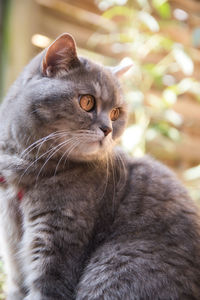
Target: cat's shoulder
156 177
150 167
153 188
149 175
145 166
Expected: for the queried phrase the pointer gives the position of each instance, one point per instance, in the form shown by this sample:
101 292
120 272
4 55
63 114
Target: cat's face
73 105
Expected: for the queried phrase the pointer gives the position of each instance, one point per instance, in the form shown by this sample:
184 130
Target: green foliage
163 8
139 36
162 71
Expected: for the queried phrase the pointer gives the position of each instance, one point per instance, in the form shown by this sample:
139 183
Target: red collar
20 193
2 179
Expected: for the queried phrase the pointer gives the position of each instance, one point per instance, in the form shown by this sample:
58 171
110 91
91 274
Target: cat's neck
19 170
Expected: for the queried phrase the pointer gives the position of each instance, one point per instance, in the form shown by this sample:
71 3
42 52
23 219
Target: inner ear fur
60 55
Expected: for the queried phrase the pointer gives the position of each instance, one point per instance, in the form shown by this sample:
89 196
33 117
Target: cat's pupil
87 102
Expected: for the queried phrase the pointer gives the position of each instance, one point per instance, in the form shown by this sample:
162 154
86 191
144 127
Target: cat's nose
106 130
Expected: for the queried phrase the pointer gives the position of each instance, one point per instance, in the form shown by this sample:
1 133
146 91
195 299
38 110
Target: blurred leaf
155 102
166 43
151 134
188 85
119 11
185 85
162 127
195 88
149 21
184 61
155 73
192 173
169 97
165 129
173 117
105 4
144 4
135 99
174 134
163 8
162 71
132 137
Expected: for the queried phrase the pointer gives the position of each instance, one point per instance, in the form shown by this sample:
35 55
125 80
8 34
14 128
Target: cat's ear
60 55
122 68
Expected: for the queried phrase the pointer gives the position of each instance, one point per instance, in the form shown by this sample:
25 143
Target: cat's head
69 104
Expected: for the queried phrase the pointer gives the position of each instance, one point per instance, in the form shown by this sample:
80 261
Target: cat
81 219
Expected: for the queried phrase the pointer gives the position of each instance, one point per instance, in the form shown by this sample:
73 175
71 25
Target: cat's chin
90 151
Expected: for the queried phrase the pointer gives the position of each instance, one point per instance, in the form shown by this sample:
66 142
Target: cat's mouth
85 147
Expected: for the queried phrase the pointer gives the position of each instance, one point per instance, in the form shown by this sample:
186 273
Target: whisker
52 135
77 134
120 159
60 135
114 187
58 147
42 155
72 148
68 150
107 177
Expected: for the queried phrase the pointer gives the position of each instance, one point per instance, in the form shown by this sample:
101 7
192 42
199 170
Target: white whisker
107 177
58 147
35 144
114 184
68 150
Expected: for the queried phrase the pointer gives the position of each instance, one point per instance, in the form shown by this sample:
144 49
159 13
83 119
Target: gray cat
79 218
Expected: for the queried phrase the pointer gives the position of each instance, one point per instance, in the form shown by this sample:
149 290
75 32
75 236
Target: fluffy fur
93 223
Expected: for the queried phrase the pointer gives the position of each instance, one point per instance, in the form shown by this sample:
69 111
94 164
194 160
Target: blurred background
163 87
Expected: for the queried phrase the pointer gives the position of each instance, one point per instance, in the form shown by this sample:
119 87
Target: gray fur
93 223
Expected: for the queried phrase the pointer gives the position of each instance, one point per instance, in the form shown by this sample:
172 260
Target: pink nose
106 130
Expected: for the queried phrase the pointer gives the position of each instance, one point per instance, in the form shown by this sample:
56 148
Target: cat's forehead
103 83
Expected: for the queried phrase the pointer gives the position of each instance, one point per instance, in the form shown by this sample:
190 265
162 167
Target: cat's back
161 223
155 196
153 245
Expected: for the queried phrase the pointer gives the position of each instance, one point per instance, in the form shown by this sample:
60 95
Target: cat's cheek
118 128
42 114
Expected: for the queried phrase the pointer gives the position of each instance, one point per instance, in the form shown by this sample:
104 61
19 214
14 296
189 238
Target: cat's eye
114 115
87 102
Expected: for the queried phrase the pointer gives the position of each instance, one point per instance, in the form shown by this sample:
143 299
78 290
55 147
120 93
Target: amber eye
87 102
114 115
